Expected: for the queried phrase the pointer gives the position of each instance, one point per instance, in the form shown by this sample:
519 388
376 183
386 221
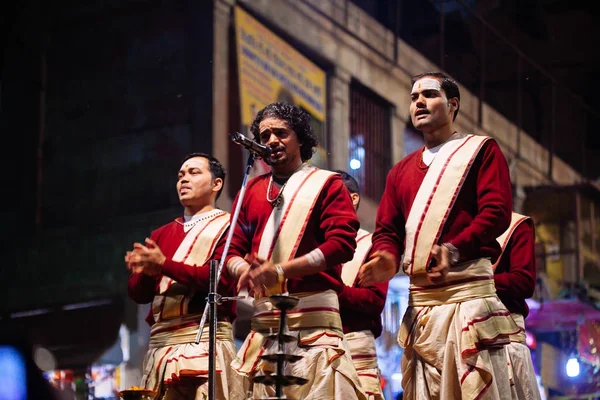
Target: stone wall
353 46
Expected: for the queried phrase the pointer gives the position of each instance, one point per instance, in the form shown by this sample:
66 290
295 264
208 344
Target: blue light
13 374
572 368
354 164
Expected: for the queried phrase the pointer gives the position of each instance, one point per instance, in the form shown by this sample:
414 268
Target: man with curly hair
293 234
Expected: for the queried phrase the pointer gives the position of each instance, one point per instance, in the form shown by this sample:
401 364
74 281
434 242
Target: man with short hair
294 232
171 270
442 209
361 308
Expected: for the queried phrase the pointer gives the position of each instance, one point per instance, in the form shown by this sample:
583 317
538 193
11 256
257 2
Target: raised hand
381 267
260 276
437 272
147 259
133 263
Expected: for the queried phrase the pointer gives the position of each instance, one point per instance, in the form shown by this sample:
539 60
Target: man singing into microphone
261 152
297 230
256 148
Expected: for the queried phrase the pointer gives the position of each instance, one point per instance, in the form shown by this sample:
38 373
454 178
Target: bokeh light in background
572 367
354 164
13 374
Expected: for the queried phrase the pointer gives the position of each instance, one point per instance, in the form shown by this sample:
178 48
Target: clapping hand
145 258
260 276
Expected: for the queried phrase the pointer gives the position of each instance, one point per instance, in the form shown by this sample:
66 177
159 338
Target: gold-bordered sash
503 239
314 311
350 269
314 320
470 284
196 249
465 281
187 334
285 228
435 198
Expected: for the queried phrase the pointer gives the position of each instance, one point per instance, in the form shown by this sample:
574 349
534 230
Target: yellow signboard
271 70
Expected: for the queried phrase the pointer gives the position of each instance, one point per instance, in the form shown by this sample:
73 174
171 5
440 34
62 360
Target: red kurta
142 287
361 308
481 213
515 274
331 227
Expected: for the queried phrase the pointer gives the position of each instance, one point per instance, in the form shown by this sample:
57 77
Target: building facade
116 93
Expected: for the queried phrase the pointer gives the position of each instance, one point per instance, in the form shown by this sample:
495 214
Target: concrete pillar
398 127
221 112
339 119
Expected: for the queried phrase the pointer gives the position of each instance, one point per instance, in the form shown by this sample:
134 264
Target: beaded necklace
190 224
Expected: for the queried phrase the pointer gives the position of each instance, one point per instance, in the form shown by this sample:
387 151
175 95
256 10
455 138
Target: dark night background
100 100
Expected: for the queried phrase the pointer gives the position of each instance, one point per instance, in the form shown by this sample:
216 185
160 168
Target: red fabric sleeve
518 281
141 287
369 300
196 277
389 231
190 275
494 201
338 222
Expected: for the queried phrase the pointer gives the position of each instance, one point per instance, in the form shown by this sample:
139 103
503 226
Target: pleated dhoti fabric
325 362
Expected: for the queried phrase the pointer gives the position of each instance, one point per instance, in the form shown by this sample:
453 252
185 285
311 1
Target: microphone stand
213 298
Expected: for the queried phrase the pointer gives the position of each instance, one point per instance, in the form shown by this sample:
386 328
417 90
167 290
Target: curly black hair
297 119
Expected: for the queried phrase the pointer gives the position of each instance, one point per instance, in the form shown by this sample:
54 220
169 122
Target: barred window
370 140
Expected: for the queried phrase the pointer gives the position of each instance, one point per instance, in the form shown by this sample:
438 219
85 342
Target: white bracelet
235 265
280 273
315 258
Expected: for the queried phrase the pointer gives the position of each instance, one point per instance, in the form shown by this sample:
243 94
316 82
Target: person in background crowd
361 308
515 276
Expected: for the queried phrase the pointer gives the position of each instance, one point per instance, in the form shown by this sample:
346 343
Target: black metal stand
213 298
284 303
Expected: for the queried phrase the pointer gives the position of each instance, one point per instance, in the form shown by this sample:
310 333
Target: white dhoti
455 336
177 368
364 357
325 363
522 373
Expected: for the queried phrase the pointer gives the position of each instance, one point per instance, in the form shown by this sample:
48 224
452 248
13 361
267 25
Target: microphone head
236 137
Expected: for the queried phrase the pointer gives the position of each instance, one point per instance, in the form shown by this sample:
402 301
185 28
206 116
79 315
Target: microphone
256 148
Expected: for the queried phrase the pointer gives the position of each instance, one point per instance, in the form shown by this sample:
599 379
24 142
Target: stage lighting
355 164
572 367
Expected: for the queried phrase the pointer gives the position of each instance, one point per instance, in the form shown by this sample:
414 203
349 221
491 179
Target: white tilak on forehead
426 84
193 163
